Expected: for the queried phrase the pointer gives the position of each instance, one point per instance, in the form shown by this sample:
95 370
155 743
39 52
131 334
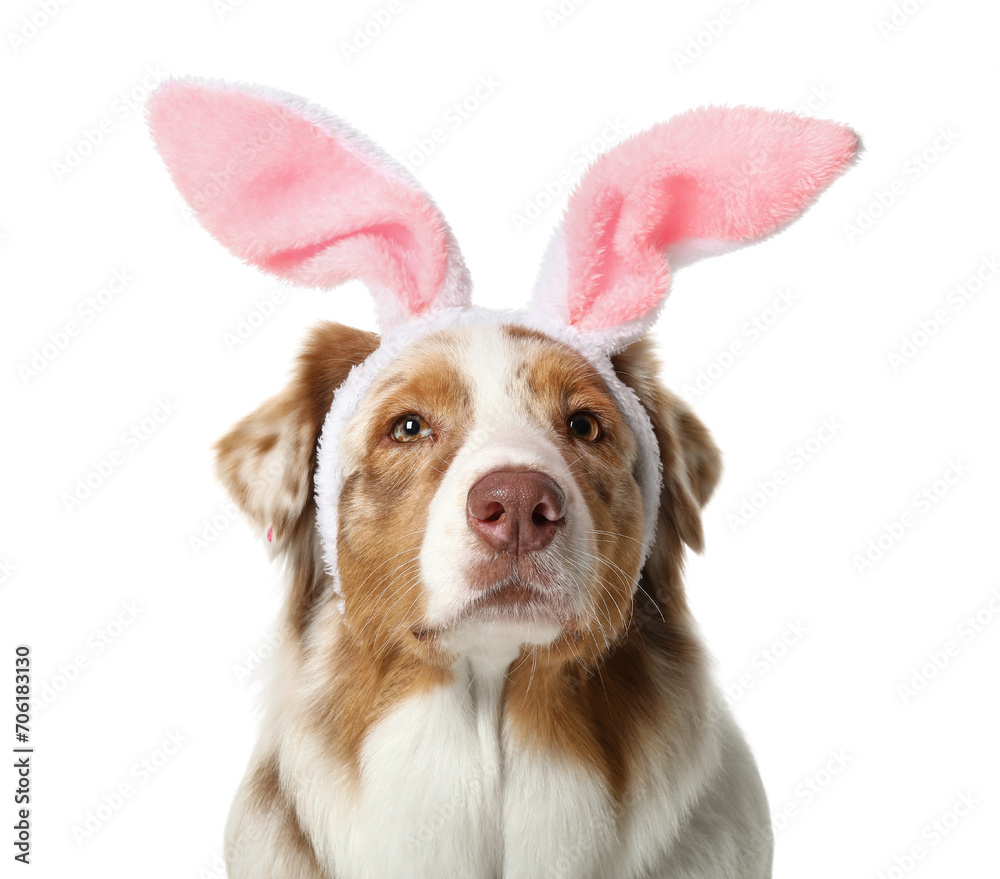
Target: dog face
489 497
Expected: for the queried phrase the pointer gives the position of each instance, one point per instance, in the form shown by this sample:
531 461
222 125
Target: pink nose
516 511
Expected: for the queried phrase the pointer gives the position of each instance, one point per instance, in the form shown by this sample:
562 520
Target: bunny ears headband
297 193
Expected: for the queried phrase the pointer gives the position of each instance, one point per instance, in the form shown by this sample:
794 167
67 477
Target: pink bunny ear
299 194
705 182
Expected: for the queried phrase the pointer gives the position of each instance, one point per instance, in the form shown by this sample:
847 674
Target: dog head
479 480
491 494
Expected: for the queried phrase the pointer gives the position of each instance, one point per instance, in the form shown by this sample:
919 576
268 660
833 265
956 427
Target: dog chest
445 793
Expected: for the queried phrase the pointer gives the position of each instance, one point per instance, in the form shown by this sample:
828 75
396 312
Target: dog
490 668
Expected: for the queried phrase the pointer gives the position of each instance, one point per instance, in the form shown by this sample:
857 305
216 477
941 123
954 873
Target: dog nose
516 511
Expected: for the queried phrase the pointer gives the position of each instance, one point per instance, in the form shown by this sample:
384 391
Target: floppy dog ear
298 193
705 182
694 462
266 462
691 462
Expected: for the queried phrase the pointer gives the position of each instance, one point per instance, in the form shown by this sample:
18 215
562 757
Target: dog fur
601 752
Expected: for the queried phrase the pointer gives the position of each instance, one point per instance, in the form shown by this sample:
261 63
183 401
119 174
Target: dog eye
409 428
584 426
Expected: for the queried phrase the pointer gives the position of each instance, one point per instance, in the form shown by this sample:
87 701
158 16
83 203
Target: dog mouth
513 599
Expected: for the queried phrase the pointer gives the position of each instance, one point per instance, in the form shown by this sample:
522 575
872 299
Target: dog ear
266 462
705 182
296 192
691 462
696 468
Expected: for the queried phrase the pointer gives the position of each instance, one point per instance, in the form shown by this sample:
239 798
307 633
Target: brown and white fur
490 669
480 712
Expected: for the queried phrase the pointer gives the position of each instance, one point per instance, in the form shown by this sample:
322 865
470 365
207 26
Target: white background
813 649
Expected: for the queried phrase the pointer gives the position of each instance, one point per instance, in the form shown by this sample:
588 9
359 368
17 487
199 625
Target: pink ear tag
270 534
